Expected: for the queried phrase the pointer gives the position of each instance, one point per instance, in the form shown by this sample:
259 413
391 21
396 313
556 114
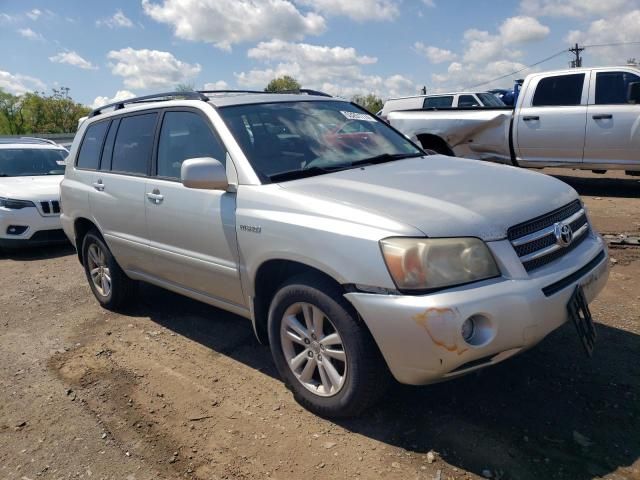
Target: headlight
428 263
15 204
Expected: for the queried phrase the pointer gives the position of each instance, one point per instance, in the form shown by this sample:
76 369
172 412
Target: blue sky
103 50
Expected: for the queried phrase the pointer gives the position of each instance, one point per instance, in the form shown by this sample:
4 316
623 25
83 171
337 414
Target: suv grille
52 207
535 241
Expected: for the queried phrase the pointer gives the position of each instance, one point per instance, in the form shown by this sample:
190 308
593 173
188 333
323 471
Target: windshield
490 100
26 162
287 140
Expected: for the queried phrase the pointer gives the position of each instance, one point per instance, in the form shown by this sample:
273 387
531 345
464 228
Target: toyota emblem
563 234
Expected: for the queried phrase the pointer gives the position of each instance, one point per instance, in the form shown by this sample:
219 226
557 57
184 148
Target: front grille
51 207
535 241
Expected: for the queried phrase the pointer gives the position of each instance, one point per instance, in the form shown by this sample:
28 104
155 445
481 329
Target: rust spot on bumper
438 324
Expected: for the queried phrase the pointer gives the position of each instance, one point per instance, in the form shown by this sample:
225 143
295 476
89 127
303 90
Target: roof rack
194 95
188 95
29 140
306 91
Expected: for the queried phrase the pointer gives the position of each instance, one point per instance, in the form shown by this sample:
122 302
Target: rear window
445 101
89 155
134 143
560 90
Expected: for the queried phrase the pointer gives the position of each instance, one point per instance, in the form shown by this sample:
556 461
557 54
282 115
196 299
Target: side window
468 101
89 155
560 90
107 151
185 135
134 143
612 87
438 102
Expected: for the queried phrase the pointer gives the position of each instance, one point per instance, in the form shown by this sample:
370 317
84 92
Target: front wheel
109 284
324 354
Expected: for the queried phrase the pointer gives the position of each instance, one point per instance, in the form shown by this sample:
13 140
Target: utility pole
423 90
577 63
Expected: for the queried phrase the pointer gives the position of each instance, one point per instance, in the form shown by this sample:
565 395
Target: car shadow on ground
38 253
549 413
604 186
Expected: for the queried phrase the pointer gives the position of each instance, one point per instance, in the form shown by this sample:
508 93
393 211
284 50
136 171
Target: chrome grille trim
535 241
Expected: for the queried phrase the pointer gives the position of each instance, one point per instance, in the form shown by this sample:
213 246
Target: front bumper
420 336
34 229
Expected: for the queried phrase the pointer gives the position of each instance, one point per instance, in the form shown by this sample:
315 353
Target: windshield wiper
304 173
384 158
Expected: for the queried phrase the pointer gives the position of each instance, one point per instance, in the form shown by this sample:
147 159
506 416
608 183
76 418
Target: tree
37 112
371 102
283 84
185 87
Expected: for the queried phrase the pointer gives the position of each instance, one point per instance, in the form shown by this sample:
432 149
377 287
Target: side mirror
204 173
633 93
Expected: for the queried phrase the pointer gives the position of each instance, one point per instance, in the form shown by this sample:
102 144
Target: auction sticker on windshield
357 116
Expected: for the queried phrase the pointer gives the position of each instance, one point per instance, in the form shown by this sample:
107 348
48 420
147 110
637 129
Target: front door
192 233
550 126
613 124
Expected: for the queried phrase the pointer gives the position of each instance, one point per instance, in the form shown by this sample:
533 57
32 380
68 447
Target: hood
442 196
36 188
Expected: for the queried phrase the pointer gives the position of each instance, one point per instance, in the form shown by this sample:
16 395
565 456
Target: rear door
613 124
551 121
192 233
118 197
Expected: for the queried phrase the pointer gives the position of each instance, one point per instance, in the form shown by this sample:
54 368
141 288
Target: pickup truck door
550 121
192 233
613 124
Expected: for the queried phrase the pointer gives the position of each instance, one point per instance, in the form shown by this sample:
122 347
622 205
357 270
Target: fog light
468 329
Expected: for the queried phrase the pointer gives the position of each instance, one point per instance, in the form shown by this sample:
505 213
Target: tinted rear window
134 143
89 155
559 90
438 102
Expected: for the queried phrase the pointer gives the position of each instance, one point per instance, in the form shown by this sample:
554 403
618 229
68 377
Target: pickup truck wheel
325 356
109 284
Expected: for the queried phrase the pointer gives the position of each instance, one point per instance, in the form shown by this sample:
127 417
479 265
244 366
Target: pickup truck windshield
287 140
24 162
490 100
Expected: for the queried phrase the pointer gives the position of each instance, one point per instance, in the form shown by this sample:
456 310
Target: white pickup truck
586 118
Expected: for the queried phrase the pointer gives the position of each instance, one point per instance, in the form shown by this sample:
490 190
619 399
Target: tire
362 374
112 288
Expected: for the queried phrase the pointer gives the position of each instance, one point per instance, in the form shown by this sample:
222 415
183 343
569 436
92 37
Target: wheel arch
82 226
435 143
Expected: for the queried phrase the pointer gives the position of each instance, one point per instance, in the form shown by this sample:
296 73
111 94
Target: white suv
31 170
352 252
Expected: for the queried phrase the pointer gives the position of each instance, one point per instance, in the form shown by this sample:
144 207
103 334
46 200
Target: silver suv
357 257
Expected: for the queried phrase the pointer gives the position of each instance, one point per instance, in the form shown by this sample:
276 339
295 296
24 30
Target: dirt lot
176 389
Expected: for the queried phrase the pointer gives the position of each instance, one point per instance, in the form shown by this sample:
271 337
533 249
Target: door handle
99 186
604 116
531 118
155 196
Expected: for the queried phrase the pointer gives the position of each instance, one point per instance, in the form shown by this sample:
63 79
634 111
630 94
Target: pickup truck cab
353 253
442 100
587 118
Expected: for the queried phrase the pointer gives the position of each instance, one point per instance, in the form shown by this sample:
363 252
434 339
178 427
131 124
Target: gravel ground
175 389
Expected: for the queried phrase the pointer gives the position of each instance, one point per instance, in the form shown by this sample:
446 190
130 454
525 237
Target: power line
562 52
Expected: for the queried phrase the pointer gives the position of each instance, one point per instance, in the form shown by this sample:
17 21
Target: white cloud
147 69
429 3
576 8
72 58
120 95
30 34
227 22
219 85
117 20
614 29
19 84
34 14
336 70
522 29
434 54
359 10
463 76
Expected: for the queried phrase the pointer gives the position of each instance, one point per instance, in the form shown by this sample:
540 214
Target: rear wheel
324 354
109 284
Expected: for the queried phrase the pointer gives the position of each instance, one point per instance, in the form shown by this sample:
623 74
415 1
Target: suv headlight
15 204
430 263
